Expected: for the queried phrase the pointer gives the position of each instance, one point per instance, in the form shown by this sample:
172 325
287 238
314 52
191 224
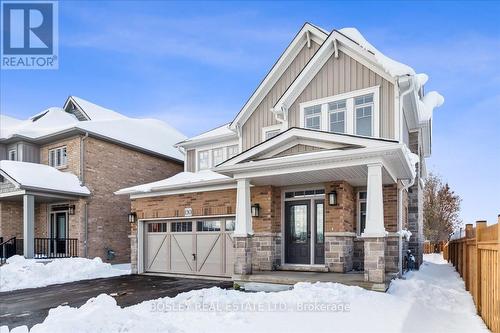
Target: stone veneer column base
266 251
133 254
243 255
338 253
374 259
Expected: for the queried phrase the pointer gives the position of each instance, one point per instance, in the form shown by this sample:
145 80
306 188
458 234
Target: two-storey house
59 170
321 170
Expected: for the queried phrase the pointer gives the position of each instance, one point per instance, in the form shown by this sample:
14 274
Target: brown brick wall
202 203
11 219
108 168
269 199
390 193
72 150
340 218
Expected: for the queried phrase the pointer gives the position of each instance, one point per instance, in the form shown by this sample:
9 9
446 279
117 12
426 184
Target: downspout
86 205
401 96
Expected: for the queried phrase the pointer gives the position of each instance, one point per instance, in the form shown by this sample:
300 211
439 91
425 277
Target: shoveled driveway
31 306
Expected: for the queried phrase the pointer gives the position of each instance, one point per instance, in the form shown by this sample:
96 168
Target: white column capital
374 203
243 227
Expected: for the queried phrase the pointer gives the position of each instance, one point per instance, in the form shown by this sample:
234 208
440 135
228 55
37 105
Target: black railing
7 249
45 248
56 247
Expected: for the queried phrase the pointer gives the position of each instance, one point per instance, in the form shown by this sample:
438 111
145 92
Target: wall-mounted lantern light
255 210
131 217
332 198
71 210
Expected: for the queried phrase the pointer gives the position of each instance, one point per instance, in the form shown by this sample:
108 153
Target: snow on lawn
430 300
20 273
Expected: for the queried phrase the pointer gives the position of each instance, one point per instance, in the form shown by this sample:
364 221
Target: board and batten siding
343 75
191 160
262 116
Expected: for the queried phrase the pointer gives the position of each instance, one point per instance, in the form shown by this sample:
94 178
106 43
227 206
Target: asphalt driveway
31 306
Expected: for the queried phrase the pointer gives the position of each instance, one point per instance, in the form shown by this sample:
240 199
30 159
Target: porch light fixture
255 210
332 198
131 217
71 210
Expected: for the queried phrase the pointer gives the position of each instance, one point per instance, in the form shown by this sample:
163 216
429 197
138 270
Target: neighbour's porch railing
45 248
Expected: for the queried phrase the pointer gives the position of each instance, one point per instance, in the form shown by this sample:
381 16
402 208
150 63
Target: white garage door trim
201 246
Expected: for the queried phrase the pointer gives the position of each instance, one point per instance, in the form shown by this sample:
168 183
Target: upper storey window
217 156
312 117
355 112
232 151
13 155
336 114
364 115
58 157
203 160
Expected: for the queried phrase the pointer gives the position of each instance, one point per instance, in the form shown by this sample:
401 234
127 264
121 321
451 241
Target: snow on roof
216 132
41 176
391 66
183 179
149 134
97 112
428 103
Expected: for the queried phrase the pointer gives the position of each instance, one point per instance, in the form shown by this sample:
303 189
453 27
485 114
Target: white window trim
227 150
62 166
224 155
358 212
270 128
15 154
329 123
210 149
350 114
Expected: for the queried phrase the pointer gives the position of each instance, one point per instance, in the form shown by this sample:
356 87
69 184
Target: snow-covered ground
430 300
20 273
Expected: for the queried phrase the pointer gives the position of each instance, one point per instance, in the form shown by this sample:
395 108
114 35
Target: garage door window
208 226
181 226
157 227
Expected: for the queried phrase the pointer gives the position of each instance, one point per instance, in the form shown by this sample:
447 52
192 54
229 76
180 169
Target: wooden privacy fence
476 257
431 247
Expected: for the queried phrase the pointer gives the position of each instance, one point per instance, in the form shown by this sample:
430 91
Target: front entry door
297 232
58 232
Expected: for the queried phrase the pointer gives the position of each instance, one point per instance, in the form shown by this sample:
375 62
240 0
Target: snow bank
405 233
430 300
20 273
391 66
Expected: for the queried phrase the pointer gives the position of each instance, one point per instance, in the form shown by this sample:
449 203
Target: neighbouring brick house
59 170
321 170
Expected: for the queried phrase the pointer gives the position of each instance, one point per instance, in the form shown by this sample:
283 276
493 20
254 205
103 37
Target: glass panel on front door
298 249
58 232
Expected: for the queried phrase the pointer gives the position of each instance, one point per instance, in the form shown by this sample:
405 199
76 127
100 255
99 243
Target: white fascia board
325 159
179 187
207 141
299 133
277 70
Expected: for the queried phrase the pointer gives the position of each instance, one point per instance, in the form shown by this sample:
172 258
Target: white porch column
29 225
374 203
243 226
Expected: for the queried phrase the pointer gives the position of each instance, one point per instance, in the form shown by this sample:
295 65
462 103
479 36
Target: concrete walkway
31 306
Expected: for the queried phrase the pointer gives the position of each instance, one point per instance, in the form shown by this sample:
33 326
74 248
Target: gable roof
295 135
90 110
306 33
35 176
149 135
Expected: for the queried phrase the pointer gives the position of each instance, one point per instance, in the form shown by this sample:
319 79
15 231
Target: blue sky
195 64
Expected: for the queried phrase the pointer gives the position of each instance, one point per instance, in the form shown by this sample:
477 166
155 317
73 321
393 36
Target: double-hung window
336 115
364 114
203 160
58 157
13 155
217 156
232 151
312 117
